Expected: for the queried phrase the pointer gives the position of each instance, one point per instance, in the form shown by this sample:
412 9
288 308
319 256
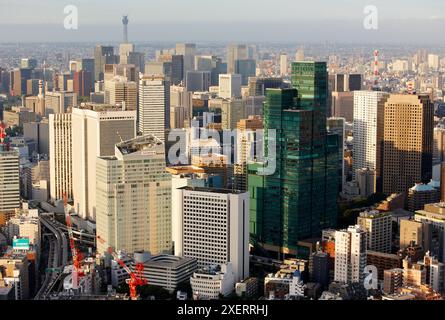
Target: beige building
407 142
232 111
134 197
120 91
60 156
59 101
246 148
379 230
95 133
439 146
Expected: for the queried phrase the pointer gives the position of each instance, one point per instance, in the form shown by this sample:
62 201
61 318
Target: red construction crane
136 278
77 255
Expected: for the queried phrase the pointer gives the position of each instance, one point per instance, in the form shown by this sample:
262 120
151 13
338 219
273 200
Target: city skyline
399 21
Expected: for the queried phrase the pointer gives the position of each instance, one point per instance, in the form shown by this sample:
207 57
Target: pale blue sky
211 19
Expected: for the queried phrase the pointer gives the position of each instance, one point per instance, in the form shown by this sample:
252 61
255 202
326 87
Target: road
57 256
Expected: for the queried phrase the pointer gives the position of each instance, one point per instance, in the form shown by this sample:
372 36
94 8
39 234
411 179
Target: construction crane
136 278
77 255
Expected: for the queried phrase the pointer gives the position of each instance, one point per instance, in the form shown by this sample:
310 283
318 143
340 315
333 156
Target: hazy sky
225 20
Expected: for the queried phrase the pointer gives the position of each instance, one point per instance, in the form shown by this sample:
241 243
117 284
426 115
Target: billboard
20 244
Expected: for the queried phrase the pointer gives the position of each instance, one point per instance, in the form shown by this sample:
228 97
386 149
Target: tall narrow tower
125 24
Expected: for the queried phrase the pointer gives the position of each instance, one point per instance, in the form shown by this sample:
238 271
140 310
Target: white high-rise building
350 255
283 64
154 106
212 225
9 181
229 86
368 129
134 197
95 134
60 156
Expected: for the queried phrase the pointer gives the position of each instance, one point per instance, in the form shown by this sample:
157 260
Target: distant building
229 86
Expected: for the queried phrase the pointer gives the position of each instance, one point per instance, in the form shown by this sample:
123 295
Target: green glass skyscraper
299 200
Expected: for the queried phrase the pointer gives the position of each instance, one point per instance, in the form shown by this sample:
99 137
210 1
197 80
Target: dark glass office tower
299 199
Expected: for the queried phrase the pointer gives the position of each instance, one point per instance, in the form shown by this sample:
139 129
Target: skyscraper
246 68
9 181
236 52
283 65
60 156
188 51
212 226
95 133
299 199
407 142
198 81
134 197
368 132
154 106
379 230
102 55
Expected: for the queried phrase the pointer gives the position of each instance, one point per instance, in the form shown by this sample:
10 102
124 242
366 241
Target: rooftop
142 143
212 190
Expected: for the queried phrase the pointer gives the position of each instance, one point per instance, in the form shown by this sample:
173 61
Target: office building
120 92
366 181
283 65
154 106
378 227
133 205
212 225
232 111
198 81
95 132
10 182
229 86
60 156
82 83
102 55
407 142
368 132
422 194
392 280
246 68
438 145
350 255
188 52
259 85
383 261
163 270
298 200
59 102
343 105
212 282
236 52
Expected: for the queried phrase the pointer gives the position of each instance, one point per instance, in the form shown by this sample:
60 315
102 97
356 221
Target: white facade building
60 156
154 105
9 180
212 225
350 255
209 283
229 86
368 117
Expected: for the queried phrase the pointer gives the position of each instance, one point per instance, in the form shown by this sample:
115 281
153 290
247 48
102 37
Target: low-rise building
209 283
